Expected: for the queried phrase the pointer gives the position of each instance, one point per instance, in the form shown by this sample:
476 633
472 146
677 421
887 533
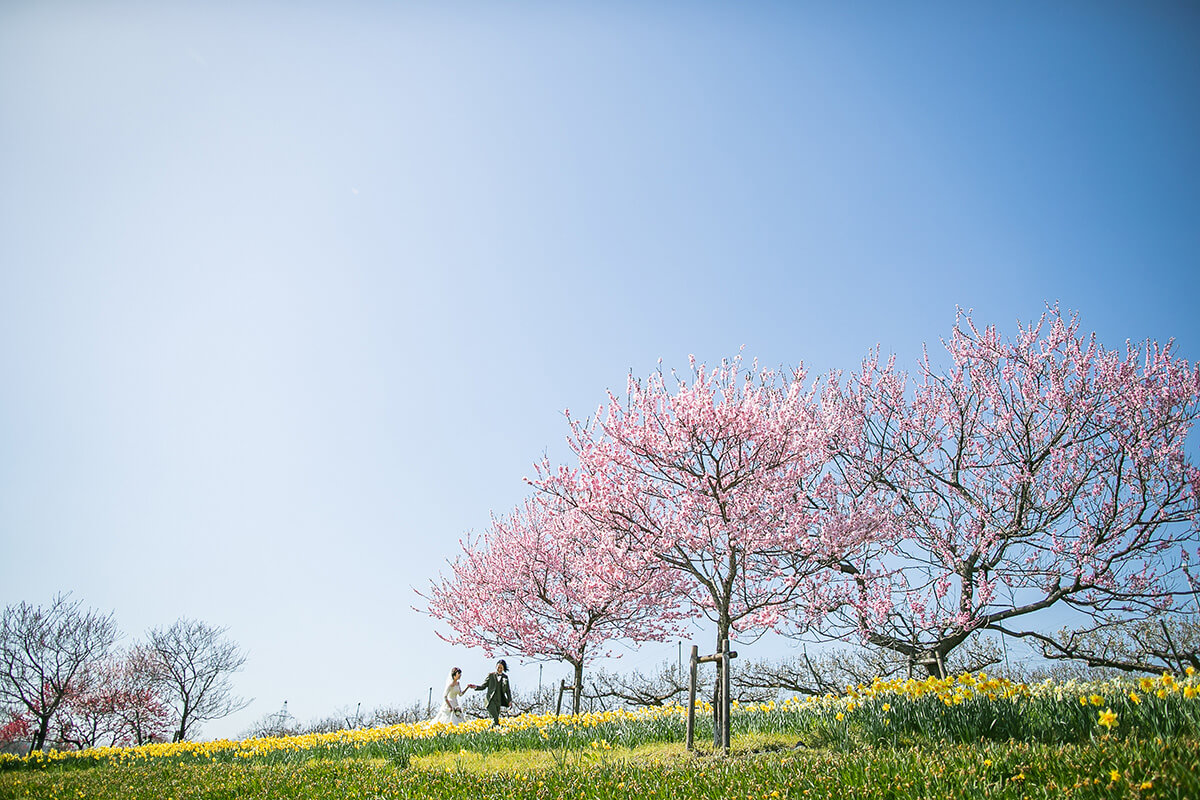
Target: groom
498 694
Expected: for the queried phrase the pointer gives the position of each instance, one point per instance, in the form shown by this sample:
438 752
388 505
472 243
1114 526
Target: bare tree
1169 642
388 715
327 724
666 685
817 675
834 670
531 701
191 663
1041 671
43 650
279 723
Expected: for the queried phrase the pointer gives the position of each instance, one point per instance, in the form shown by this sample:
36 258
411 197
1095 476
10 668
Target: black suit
498 694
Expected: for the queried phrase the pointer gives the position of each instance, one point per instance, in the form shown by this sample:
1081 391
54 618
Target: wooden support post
576 694
718 703
722 696
691 706
726 699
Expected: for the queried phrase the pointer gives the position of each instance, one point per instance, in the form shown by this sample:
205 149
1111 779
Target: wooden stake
691 706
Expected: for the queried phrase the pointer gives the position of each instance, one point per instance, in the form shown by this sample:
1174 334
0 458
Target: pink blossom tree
15 729
112 703
144 712
546 583
1039 472
85 716
723 477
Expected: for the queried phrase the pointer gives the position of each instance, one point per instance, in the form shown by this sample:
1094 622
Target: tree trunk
723 626
934 662
577 694
39 736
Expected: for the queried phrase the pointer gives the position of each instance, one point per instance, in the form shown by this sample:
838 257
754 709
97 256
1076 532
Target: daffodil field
964 736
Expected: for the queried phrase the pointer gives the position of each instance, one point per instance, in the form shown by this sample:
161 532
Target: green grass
1146 769
896 741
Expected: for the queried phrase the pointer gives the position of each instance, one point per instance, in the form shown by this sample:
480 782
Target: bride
451 713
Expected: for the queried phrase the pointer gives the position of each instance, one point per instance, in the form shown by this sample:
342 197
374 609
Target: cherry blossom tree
1034 473
15 730
548 584
85 716
111 703
722 476
143 710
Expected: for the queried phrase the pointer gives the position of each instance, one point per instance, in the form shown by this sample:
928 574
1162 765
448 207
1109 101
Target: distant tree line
65 683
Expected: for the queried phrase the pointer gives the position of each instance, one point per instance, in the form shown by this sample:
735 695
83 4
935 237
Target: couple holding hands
498 695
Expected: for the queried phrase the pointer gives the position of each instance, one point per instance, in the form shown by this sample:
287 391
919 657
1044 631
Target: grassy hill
969 736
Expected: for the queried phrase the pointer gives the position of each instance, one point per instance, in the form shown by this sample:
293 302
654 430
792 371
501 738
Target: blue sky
293 294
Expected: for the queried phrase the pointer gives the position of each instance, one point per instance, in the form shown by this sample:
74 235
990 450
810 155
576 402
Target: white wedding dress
451 713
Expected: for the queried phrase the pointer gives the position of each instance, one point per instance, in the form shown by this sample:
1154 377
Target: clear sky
293 294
